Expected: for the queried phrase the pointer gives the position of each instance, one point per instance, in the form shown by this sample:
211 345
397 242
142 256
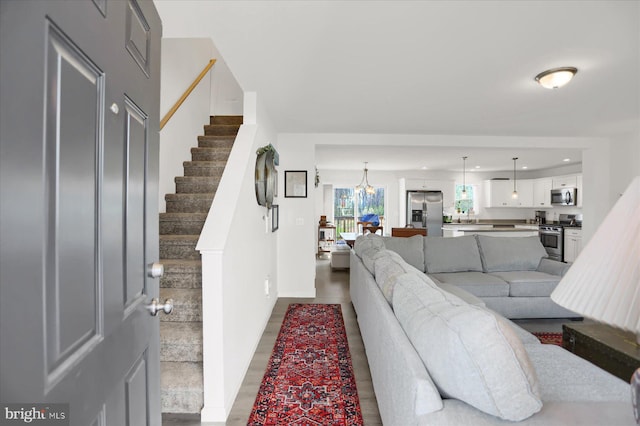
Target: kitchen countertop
490 227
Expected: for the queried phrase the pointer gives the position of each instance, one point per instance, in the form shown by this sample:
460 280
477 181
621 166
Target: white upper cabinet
525 193
570 181
542 192
498 193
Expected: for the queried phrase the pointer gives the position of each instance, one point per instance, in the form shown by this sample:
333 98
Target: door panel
135 161
72 143
79 122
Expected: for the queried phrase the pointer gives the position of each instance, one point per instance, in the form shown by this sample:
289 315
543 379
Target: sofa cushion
462 294
451 254
387 271
553 267
369 257
367 242
492 373
566 377
529 283
411 249
471 353
477 283
510 253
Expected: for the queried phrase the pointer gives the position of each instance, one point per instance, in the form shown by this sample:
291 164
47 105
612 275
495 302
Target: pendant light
514 194
364 183
463 194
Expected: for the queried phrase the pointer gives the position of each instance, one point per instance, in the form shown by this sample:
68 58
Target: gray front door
79 106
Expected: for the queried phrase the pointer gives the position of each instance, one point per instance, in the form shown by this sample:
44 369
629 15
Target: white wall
239 253
298 221
182 61
625 163
226 94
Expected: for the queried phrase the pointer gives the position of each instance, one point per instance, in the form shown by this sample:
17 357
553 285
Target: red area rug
309 378
549 338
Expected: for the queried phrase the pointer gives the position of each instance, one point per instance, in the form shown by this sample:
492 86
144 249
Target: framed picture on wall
295 184
275 217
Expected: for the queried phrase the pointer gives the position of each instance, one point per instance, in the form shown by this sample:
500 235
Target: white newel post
215 408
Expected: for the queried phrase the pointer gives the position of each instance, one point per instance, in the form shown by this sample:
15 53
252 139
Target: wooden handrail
187 92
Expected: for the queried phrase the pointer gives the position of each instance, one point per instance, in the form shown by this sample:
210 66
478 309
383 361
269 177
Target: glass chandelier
364 183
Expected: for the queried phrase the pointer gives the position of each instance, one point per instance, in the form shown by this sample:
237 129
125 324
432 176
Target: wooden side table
609 348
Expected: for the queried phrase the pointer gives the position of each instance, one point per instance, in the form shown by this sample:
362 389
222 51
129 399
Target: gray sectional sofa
511 275
440 357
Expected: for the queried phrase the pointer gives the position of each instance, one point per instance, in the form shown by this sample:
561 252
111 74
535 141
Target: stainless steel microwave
564 197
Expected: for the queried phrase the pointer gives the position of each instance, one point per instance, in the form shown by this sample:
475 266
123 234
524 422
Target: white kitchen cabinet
498 193
572 244
525 193
569 181
542 192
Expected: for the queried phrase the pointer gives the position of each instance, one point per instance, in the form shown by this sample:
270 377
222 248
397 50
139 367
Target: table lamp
604 282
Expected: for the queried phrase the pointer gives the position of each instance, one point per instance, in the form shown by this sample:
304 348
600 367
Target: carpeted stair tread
226 119
203 168
221 129
210 154
182 223
179 247
188 203
181 387
216 141
187 304
196 184
181 341
181 273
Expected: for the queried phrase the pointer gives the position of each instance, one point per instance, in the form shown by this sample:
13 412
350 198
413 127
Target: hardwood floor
331 287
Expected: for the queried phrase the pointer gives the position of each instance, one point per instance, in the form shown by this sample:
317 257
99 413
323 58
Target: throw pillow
411 249
458 254
501 254
471 354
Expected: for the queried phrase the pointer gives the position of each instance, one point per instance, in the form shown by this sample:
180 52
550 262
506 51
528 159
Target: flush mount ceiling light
556 77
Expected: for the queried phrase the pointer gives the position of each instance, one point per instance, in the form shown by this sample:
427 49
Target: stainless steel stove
552 234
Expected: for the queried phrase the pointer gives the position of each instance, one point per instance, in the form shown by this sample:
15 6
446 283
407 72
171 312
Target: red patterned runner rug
549 337
309 378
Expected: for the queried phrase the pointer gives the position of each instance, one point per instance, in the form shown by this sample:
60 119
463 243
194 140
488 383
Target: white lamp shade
604 281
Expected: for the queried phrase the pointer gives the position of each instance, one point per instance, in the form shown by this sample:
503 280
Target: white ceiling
463 68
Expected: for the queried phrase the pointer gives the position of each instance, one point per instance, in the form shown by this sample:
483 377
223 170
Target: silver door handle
155 270
154 307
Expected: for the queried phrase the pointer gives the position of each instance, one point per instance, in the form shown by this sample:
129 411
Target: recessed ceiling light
525 167
477 167
556 77
424 167
566 160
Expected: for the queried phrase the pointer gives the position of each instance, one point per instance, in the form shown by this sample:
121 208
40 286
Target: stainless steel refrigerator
424 210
